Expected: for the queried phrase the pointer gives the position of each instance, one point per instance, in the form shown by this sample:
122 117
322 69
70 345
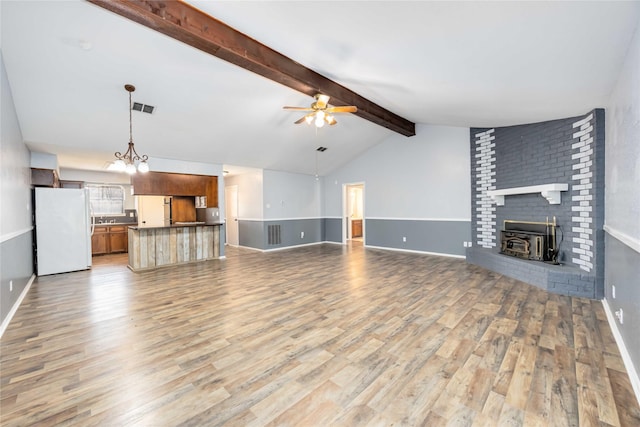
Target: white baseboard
416 252
626 357
13 310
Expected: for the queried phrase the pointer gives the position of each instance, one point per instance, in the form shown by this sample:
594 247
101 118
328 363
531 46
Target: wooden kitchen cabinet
100 240
44 178
183 209
109 239
176 184
118 239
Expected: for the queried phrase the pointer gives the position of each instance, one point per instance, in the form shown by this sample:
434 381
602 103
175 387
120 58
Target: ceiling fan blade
321 101
302 119
343 109
298 108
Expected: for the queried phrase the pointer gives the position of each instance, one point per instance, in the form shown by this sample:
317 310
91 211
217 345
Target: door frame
345 211
231 222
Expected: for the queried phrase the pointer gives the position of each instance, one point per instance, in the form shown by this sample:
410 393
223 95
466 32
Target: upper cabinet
176 184
44 178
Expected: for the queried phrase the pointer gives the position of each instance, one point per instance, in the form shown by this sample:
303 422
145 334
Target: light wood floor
319 336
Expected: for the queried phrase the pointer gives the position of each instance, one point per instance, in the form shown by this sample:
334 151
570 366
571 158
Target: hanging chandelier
130 161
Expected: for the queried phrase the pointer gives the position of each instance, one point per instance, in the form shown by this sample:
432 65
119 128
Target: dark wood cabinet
176 184
110 239
44 178
183 209
71 184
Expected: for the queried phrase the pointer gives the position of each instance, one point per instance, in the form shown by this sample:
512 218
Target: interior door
231 213
353 209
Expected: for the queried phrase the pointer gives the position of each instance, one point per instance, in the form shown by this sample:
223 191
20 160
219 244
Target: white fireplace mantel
551 192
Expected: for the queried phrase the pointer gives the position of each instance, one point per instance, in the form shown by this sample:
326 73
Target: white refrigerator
63 230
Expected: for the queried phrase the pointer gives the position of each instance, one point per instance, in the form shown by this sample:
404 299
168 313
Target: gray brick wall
546 153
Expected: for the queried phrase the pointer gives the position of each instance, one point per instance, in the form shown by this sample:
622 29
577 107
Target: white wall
15 171
102 177
291 195
44 161
622 169
249 194
425 176
622 211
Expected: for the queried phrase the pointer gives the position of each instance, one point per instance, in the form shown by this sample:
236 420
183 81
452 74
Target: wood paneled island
157 246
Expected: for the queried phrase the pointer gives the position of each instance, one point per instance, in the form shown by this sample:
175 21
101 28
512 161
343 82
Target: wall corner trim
15 307
626 357
633 243
17 233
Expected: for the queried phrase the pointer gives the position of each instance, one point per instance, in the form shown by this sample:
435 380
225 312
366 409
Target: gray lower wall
333 230
16 264
254 234
622 270
443 237
251 234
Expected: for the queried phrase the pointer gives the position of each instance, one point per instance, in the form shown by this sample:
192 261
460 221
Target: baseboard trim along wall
415 252
14 309
626 357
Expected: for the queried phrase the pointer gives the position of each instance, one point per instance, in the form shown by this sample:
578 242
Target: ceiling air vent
143 107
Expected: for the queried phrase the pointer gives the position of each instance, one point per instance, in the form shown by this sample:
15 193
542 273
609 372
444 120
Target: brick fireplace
530 174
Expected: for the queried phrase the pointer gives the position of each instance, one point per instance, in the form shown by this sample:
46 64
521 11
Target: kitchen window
106 199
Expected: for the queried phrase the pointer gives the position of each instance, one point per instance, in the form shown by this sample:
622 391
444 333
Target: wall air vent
273 234
143 107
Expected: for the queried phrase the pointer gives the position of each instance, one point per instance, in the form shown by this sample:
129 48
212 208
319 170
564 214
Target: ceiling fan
321 112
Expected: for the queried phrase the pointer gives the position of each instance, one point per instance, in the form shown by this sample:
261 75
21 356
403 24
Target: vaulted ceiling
443 63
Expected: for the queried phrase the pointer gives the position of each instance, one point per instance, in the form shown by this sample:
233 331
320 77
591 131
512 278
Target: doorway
353 224
231 213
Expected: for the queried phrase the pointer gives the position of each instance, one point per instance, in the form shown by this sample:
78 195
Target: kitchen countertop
184 224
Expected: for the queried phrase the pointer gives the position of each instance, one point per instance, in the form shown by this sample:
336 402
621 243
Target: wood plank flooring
316 336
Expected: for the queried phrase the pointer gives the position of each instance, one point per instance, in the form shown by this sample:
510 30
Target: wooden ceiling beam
189 25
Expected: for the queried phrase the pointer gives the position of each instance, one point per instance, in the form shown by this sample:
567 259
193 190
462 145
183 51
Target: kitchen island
164 245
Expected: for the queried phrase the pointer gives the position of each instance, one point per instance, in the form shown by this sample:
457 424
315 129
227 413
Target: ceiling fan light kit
130 161
321 112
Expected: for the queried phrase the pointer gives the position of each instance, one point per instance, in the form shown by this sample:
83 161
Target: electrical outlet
302 234
619 315
464 244
404 239
10 285
469 244
613 291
